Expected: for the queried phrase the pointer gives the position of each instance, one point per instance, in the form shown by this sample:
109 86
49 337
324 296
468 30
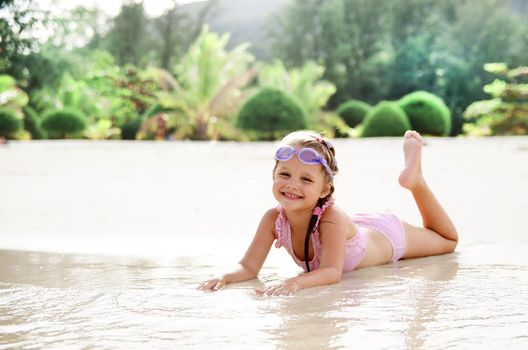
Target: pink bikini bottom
387 224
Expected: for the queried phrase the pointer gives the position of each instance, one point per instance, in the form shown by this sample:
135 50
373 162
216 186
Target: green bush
427 113
63 123
32 123
9 123
353 112
385 119
272 113
130 129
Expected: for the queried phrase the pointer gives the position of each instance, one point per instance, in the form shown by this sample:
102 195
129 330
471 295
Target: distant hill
245 20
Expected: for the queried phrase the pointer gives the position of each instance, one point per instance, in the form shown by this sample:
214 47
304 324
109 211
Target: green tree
127 40
304 83
507 112
347 36
468 43
169 27
208 83
17 41
374 50
295 32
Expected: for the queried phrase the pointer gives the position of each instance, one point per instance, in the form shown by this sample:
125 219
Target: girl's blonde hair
319 143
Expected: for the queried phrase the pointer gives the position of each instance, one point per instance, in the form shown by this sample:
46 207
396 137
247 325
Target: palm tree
208 82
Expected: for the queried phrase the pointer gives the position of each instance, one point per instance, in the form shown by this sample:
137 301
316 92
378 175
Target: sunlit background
136 149
206 70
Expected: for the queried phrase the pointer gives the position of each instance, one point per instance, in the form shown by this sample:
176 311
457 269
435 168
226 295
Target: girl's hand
288 287
213 285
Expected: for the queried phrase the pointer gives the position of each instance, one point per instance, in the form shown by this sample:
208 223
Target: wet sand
103 243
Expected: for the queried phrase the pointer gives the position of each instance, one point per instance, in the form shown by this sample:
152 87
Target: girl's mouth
290 195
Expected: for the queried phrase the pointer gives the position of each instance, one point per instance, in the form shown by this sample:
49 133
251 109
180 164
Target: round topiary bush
385 119
353 112
427 113
271 111
63 123
9 123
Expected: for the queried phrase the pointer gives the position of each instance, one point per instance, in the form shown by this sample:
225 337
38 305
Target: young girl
322 238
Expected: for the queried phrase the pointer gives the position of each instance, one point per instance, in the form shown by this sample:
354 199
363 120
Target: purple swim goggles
305 155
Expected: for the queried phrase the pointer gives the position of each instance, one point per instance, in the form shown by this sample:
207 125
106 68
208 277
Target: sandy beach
102 245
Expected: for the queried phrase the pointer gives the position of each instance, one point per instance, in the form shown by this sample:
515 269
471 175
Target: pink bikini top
354 250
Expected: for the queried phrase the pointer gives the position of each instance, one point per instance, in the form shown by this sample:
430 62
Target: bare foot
411 176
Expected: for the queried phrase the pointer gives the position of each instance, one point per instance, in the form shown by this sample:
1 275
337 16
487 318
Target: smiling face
298 186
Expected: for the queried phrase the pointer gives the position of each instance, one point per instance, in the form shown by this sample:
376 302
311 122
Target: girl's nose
294 184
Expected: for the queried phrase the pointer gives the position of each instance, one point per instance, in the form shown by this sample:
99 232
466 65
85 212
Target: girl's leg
438 234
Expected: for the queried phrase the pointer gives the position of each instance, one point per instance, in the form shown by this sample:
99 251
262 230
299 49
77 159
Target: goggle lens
305 155
309 156
284 153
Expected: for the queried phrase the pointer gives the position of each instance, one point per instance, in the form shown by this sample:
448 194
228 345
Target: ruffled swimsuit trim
387 224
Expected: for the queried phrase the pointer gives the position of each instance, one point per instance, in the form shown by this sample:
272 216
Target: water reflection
55 300
428 299
368 307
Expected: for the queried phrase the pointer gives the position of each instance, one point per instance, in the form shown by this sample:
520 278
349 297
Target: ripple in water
61 301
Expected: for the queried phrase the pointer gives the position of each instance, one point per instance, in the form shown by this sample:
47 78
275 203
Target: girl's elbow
335 276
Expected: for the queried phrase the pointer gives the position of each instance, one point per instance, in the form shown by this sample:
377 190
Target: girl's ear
326 189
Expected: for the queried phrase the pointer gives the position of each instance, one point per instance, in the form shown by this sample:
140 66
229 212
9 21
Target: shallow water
127 248
52 300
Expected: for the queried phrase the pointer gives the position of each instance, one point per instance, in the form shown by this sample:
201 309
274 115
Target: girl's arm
333 232
250 265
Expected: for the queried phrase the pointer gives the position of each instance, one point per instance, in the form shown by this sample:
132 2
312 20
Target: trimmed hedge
353 112
385 119
63 123
271 111
427 113
9 123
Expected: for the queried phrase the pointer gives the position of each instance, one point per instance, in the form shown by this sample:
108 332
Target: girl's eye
305 179
283 174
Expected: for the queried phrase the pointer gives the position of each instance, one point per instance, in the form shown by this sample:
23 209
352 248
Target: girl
322 238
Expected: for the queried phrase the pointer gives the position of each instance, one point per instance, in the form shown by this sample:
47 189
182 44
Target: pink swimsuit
387 224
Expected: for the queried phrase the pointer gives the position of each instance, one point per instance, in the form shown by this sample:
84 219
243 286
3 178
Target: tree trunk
202 129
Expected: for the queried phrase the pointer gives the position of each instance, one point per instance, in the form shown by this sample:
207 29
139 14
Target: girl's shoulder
270 216
334 214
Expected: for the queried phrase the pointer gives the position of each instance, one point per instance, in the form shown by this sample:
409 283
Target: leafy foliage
32 123
127 37
305 84
427 113
10 123
376 50
385 119
11 96
507 112
63 123
353 112
16 41
208 84
271 112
